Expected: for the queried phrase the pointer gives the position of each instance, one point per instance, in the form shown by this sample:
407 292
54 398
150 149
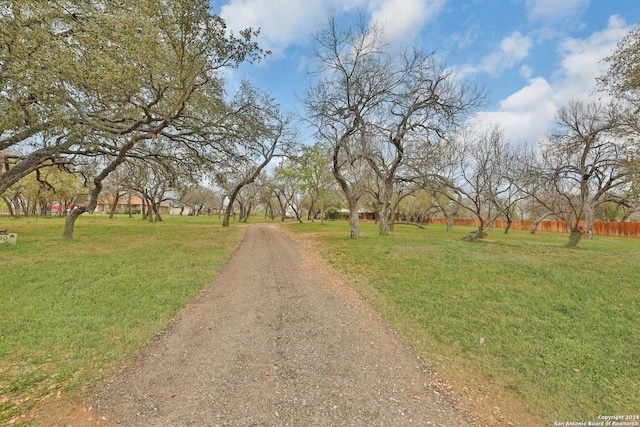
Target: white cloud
526 71
582 60
403 19
281 22
285 22
524 115
513 49
552 11
529 97
528 114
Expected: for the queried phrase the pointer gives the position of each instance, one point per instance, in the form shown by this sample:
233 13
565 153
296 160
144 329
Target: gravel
277 339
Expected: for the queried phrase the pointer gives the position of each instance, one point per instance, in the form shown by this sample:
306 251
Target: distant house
57 208
104 205
186 210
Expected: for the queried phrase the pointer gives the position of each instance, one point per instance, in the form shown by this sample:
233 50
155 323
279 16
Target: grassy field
515 323
516 318
71 313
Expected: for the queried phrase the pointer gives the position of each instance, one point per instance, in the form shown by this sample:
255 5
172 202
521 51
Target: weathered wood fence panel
615 229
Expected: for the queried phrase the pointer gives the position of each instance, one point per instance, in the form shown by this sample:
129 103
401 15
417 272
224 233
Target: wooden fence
616 229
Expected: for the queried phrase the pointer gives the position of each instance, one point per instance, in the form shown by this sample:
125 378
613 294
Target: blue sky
532 56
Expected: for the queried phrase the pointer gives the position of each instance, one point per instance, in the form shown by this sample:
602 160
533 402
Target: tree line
399 116
105 98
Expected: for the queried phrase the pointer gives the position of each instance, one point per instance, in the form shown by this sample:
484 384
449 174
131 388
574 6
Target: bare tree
481 177
582 165
503 169
372 99
345 93
423 102
435 171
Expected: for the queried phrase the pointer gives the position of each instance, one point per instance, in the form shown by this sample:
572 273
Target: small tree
261 131
199 199
435 171
480 177
581 166
314 171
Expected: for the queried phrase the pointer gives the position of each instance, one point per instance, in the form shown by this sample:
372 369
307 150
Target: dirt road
276 340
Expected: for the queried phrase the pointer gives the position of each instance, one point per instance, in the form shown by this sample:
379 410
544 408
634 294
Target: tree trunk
448 219
150 211
479 234
9 206
70 221
535 225
385 212
221 208
156 210
509 222
114 205
241 211
143 207
537 222
352 200
354 222
229 209
245 212
574 238
589 219
95 192
282 204
311 216
296 212
16 207
383 222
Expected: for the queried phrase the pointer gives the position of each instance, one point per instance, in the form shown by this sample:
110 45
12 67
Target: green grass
73 312
560 327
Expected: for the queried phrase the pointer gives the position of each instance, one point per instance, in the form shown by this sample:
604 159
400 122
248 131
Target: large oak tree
93 79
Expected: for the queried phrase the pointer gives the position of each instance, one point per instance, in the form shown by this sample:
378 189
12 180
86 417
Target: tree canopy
93 79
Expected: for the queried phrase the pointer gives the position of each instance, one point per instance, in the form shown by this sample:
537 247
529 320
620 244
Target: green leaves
84 77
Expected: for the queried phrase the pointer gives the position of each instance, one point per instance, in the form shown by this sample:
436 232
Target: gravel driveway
276 340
